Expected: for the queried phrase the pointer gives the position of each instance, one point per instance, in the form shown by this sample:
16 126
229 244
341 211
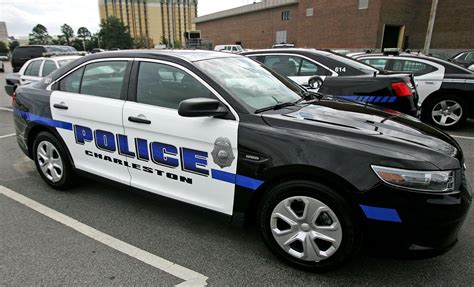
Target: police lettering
164 154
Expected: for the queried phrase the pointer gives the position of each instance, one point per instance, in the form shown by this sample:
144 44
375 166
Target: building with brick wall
348 24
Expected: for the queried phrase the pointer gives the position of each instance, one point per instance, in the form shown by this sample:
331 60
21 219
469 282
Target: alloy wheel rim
447 113
50 161
306 228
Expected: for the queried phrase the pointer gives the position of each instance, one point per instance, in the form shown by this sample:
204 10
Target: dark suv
24 53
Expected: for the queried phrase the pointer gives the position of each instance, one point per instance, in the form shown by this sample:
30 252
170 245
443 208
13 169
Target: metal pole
429 32
172 24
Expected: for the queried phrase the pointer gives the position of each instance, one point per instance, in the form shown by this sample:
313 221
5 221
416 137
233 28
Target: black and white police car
223 132
445 89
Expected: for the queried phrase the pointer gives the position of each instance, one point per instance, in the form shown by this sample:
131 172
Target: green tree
84 34
142 42
92 43
114 34
13 44
40 35
3 48
164 41
68 33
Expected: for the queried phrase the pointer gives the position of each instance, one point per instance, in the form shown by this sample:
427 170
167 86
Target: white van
235 49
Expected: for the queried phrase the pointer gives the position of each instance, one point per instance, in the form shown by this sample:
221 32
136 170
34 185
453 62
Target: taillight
401 89
13 98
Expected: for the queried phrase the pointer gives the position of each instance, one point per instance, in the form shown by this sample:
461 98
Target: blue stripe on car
236 179
381 213
42 120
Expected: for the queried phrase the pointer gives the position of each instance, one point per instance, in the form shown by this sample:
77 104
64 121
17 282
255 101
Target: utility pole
172 24
429 32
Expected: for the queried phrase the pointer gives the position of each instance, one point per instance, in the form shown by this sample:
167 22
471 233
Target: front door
188 159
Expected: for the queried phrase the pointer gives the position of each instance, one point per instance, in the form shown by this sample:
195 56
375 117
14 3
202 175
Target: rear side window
26 53
72 82
292 66
104 79
377 63
414 67
48 67
470 57
166 86
33 69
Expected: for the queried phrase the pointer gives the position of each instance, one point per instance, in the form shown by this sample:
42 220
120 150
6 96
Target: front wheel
446 112
308 225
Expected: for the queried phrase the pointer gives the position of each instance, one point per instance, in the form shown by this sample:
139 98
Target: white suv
235 49
35 69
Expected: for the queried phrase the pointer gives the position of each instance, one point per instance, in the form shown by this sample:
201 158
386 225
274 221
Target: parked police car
445 89
342 76
222 132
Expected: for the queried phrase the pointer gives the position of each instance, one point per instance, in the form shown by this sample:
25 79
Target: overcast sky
22 15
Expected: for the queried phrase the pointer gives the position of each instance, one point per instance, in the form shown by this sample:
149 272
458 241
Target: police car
444 88
221 131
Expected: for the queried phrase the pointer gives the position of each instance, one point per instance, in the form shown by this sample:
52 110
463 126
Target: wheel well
35 130
454 92
297 172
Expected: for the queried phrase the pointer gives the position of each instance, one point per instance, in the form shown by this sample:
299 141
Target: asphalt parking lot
98 234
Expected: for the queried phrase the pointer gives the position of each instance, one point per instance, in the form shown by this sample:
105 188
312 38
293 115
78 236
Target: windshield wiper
276 107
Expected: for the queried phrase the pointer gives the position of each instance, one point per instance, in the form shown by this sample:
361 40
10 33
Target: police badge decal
222 153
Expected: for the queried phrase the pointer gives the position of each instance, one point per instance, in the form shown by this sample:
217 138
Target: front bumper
415 221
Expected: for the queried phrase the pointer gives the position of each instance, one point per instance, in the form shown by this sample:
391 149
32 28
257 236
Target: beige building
3 31
153 19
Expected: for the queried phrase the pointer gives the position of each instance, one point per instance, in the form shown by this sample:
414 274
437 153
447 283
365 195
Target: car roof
293 50
186 55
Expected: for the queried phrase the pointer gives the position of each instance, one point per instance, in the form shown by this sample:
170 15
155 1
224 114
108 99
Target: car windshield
248 81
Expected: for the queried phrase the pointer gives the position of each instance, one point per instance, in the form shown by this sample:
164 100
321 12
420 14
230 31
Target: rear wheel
446 112
308 225
52 162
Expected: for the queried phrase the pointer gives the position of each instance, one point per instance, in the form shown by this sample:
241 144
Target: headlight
429 181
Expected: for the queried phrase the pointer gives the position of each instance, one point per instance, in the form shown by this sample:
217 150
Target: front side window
48 67
104 79
166 86
33 69
414 67
470 57
249 82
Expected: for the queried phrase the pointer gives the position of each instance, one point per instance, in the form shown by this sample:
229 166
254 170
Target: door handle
60 106
139 120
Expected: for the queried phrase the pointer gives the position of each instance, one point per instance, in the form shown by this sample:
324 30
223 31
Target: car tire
52 161
445 112
298 244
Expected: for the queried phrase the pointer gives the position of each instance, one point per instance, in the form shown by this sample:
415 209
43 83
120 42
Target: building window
309 12
363 4
285 15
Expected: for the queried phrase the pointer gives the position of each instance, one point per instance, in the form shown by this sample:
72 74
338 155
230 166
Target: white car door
296 68
177 156
31 73
428 75
89 102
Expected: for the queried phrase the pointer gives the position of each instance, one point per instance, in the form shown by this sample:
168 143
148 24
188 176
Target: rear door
89 102
297 68
31 73
189 159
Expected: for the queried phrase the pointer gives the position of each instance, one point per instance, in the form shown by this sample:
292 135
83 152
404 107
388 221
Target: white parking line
6 136
190 277
6 109
463 137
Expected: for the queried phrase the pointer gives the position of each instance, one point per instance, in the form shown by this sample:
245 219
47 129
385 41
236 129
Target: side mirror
202 107
315 82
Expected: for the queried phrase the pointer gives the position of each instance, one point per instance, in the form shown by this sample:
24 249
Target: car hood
382 128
